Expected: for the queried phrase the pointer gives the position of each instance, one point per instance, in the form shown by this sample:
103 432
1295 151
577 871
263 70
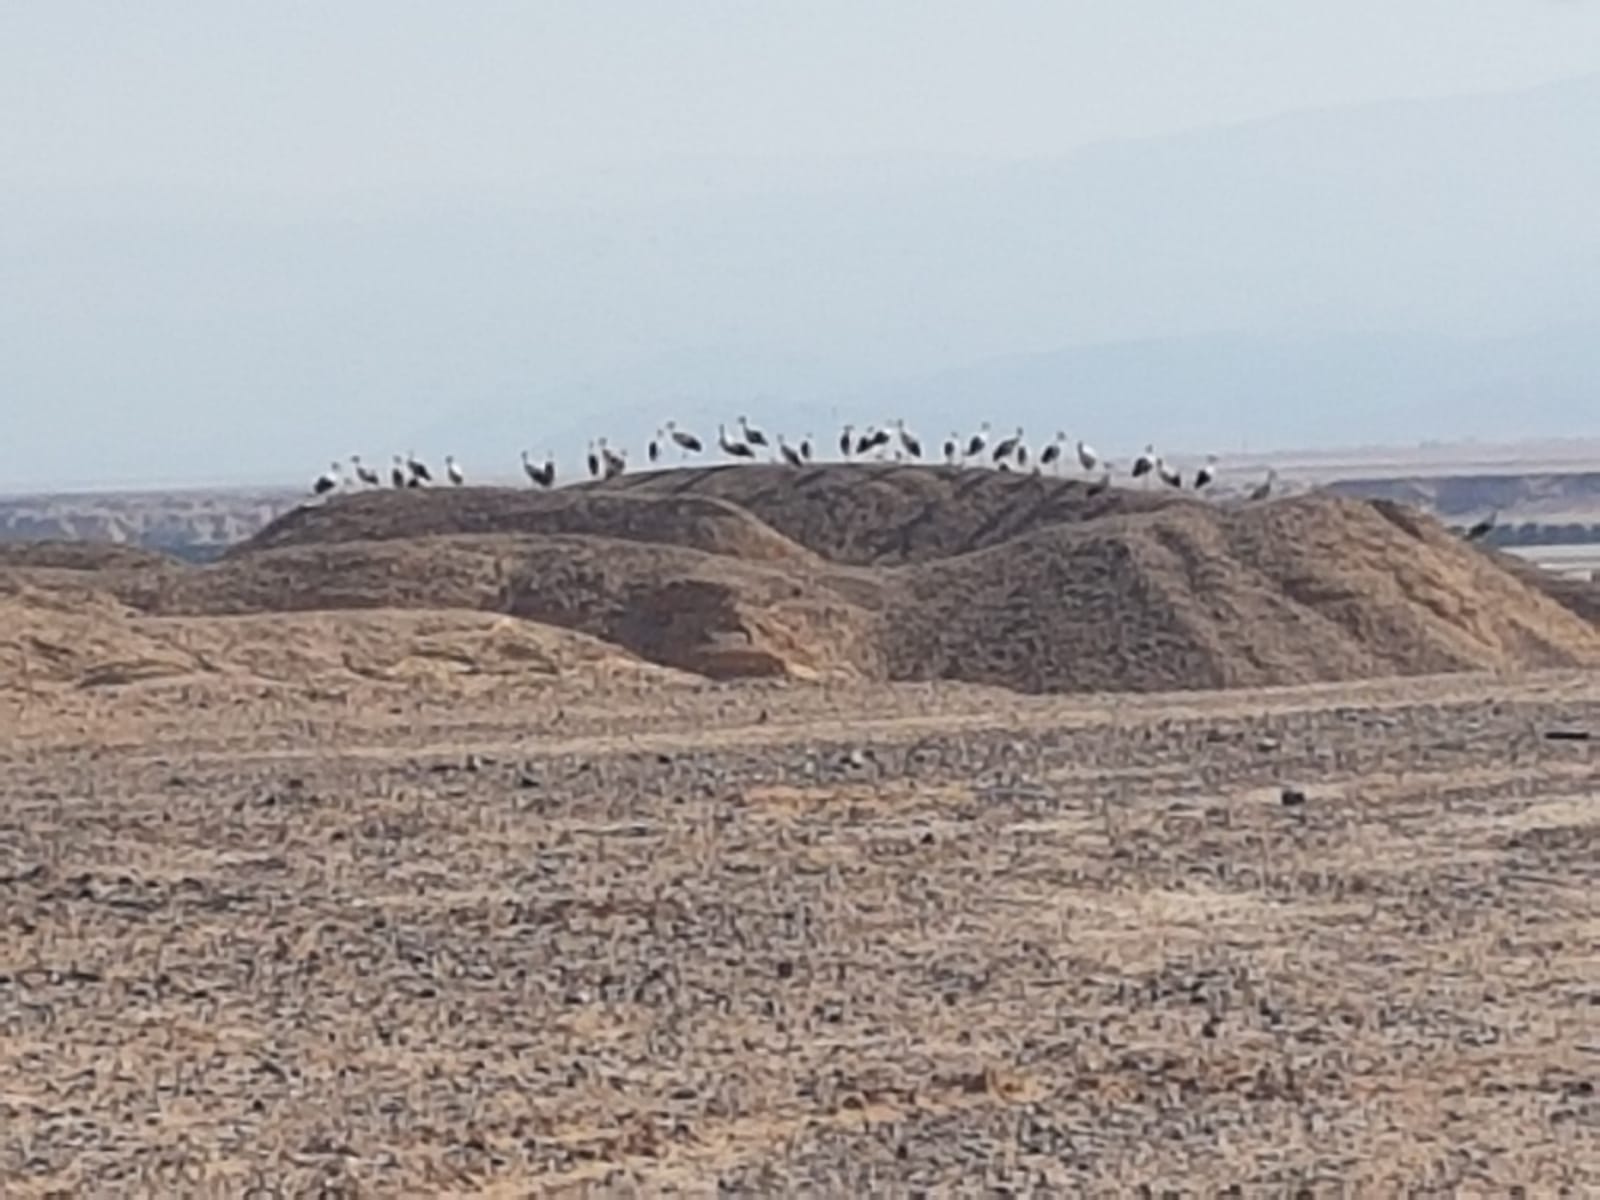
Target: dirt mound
1582 596
696 522
76 635
680 607
1306 590
889 513
85 638
390 646
1019 581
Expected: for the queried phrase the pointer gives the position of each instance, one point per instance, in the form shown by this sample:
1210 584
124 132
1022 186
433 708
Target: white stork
687 443
616 461
751 435
730 447
542 476
913 447
1144 464
1008 447
1051 455
978 441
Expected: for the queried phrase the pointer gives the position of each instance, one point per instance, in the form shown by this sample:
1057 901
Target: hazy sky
189 116
309 98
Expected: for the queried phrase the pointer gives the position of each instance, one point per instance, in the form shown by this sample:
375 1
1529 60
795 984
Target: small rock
1291 797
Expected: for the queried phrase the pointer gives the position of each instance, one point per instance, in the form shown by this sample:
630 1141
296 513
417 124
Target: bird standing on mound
751 435
1051 455
616 461
654 449
912 446
453 471
419 471
952 448
1087 458
397 472
730 447
1483 528
1168 475
542 476
687 443
1008 447
327 481
978 441
1264 489
1144 464
845 442
1204 476
594 463
790 455
365 474
805 448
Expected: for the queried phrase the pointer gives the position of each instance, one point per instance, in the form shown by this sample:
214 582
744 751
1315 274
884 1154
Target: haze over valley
1386 271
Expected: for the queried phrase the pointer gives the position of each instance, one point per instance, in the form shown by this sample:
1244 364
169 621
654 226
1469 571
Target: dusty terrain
506 934
665 838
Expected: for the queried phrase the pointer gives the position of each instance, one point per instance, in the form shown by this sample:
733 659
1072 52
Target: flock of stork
893 442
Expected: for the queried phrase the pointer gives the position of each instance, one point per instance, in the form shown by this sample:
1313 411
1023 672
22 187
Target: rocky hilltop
877 572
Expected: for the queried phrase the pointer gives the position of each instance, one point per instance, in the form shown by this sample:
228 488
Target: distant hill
195 525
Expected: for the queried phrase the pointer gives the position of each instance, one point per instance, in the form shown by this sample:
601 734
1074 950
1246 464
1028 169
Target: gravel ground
768 939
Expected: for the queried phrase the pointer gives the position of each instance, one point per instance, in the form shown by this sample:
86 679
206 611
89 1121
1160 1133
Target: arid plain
368 893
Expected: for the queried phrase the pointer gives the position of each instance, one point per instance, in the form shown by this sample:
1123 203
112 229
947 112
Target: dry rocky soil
709 835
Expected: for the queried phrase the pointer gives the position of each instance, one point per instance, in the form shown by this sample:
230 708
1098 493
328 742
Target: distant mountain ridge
1401 270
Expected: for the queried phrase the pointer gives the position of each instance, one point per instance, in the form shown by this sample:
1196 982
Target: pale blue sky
226 221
